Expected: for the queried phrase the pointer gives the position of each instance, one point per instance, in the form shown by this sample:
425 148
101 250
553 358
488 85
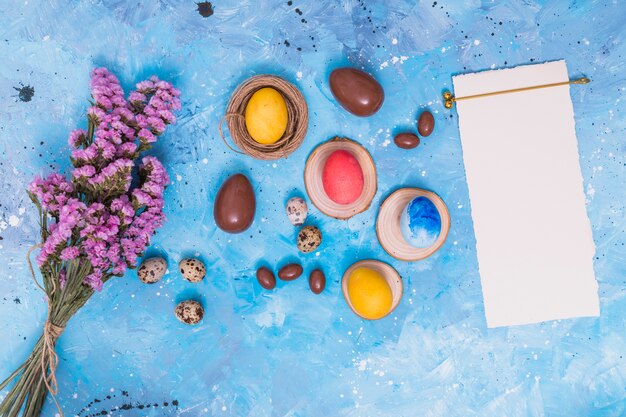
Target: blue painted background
289 352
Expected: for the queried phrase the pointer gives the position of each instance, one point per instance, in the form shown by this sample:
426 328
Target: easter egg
152 270
266 116
266 278
290 272
193 270
342 177
296 211
369 293
309 239
420 223
189 312
317 281
406 140
425 123
235 204
356 91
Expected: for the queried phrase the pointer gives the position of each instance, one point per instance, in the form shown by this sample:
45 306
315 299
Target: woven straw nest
297 122
315 188
388 224
387 271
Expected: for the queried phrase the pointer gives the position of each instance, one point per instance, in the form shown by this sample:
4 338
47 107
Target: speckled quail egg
189 312
296 211
152 270
309 238
193 270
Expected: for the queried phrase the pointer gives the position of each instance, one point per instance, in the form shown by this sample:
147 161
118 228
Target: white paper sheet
534 242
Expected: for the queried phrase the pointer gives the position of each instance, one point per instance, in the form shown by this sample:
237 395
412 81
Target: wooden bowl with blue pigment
412 224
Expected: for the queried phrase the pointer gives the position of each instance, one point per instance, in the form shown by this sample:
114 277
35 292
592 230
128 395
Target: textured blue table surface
289 352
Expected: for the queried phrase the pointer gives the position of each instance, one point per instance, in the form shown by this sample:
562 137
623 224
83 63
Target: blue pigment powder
420 223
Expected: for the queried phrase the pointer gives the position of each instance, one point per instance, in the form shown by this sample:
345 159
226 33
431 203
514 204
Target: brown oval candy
266 278
357 91
317 281
425 123
235 204
290 272
406 140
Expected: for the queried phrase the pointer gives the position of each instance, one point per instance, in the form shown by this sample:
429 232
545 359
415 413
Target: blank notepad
533 238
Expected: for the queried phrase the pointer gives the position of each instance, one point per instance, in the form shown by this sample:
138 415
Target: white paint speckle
14 221
299 75
394 41
205 161
476 42
179 177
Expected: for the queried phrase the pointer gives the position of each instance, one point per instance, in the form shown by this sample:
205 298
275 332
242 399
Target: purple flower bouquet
95 225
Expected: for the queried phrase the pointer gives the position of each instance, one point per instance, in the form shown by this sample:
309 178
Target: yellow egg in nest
266 116
369 292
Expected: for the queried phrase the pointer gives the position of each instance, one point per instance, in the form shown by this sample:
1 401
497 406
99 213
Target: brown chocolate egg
235 204
266 278
406 140
290 272
425 123
357 91
317 281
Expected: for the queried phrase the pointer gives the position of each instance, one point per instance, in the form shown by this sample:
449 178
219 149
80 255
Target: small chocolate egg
266 278
425 123
317 281
193 270
309 239
152 270
290 272
406 140
189 312
357 91
296 211
235 204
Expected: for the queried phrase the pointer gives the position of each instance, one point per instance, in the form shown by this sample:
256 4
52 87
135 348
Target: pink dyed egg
342 177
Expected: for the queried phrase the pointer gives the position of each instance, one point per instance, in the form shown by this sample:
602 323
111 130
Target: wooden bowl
315 188
388 224
387 271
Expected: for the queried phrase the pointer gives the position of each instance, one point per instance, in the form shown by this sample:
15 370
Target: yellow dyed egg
369 293
266 116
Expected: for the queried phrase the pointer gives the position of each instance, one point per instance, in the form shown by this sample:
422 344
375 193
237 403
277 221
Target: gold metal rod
449 99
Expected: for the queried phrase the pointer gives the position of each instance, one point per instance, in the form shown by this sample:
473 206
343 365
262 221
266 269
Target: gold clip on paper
449 99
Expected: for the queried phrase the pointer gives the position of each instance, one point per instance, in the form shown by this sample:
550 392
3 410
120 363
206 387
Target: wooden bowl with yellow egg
390 276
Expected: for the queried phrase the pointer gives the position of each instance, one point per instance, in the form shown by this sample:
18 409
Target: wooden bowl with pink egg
340 178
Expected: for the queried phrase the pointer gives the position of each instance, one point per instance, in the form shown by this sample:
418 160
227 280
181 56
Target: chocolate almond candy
290 272
317 281
357 91
406 140
266 278
235 204
425 123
